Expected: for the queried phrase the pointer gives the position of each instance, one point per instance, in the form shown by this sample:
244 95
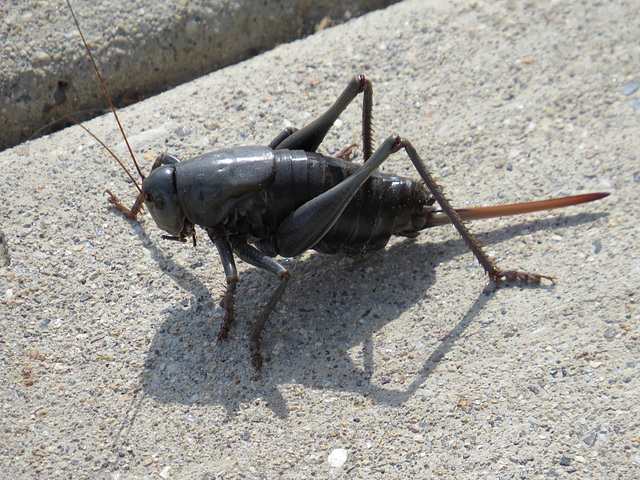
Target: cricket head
161 198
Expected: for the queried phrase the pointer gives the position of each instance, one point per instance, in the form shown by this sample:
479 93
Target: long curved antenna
75 120
113 109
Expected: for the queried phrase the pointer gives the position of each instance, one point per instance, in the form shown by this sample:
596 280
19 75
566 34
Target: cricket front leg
131 213
218 237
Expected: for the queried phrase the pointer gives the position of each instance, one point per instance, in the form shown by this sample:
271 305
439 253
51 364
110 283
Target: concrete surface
404 362
143 48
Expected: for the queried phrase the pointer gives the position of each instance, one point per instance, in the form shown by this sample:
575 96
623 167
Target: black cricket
257 203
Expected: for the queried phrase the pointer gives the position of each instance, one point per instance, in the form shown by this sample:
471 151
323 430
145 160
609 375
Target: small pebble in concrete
337 457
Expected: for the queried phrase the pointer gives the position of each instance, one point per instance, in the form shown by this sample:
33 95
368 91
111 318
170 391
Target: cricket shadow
334 306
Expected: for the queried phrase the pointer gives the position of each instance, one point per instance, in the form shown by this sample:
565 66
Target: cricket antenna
113 109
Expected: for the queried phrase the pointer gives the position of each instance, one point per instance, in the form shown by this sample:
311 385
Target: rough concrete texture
400 364
142 48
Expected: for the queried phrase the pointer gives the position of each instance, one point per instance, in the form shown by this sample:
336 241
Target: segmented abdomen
386 205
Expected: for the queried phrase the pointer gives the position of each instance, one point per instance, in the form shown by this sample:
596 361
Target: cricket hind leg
309 137
489 265
309 223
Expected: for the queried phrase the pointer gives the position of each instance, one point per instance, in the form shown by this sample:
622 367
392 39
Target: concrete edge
156 48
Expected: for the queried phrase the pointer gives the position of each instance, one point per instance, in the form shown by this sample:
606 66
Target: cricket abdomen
386 205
